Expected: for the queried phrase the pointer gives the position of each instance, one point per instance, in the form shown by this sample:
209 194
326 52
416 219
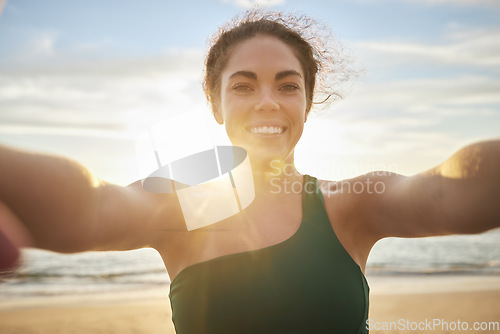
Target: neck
275 177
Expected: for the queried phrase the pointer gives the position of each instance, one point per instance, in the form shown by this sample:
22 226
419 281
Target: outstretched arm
66 209
460 196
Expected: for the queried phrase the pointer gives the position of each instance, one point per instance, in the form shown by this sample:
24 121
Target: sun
177 137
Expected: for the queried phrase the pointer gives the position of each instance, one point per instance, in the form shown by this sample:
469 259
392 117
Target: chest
261 225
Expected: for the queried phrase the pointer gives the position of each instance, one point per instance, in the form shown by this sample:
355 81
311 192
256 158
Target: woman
292 261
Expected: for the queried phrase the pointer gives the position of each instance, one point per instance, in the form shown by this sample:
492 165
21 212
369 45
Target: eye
289 88
242 88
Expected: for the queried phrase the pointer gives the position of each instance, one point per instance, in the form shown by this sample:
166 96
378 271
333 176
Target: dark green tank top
305 284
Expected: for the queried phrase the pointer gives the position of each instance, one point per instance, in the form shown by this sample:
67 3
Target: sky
84 79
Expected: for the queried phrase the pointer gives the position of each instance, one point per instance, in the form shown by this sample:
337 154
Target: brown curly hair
319 54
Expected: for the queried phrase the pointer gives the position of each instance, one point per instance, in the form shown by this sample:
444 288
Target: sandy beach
436 304
77 316
407 302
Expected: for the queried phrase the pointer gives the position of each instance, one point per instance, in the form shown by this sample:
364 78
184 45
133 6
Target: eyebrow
247 74
253 75
284 74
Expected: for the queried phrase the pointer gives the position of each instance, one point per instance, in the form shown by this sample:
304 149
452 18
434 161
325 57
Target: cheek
300 130
233 109
232 119
299 109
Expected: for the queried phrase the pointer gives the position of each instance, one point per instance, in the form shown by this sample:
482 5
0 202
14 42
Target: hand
13 236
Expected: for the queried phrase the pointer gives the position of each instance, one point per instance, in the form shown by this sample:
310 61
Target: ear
218 117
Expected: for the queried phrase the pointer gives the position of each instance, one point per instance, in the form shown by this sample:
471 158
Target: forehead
265 54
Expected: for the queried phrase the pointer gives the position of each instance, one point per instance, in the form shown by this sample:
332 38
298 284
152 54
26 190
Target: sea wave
45 273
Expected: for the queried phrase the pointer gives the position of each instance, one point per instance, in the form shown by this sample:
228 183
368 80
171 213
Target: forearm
55 198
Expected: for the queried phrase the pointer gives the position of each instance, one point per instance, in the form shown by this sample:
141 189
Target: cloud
456 95
468 3
489 3
92 111
247 4
478 47
425 98
381 122
460 108
109 95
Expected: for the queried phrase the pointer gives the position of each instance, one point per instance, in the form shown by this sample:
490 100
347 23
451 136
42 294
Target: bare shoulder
359 197
372 205
351 206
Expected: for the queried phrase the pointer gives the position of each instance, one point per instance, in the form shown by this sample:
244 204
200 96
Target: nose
267 101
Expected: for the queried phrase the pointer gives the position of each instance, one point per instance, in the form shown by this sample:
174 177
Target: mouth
267 130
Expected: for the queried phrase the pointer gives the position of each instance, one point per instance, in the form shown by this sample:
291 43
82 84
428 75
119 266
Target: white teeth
268 130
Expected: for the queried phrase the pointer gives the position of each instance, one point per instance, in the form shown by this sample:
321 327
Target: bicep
431 204
410 207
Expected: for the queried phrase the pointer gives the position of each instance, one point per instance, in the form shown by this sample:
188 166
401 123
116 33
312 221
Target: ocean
45 273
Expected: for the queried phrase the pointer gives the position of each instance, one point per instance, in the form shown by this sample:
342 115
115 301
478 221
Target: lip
268 124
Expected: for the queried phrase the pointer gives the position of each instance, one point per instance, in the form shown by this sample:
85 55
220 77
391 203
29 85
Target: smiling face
263 100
